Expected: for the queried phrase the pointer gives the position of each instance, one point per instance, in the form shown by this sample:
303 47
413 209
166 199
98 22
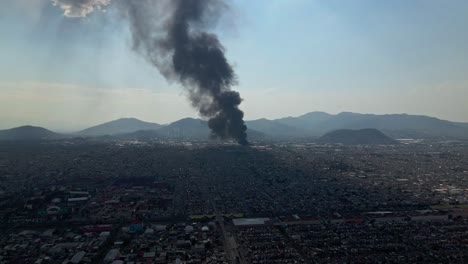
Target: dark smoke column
172 35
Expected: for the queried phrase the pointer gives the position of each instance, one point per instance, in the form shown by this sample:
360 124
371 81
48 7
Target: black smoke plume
173 36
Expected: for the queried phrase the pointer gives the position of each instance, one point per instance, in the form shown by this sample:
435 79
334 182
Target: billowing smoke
80 8
173 36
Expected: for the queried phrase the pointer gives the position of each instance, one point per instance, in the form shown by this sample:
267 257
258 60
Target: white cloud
80 8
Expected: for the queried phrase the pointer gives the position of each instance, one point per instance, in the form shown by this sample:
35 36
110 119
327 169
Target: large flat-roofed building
250 221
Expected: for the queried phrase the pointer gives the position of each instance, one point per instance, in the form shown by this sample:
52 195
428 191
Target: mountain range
308 126
184 129
316 124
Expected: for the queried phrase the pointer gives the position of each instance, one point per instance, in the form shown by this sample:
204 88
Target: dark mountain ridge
119 126
28 133
367 136
394 125
306 121
183 129
275 129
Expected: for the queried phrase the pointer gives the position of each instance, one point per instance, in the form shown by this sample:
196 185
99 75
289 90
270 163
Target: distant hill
306 121
357 137
140 135
183 129
28 133
275 129
462 124
186 128
395 125
119 126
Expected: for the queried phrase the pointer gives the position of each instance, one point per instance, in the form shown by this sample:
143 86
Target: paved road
230 244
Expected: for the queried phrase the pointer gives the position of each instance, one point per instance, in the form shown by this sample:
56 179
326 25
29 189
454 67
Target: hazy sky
291 57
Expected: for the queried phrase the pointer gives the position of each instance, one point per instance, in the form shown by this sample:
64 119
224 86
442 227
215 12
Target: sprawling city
85 201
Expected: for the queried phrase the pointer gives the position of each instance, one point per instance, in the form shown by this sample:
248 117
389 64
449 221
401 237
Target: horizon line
198 118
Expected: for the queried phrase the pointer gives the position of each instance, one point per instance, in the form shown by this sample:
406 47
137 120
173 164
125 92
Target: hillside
395 125
28 133
275 129
307 121
140 135
357 137
184 129
119 126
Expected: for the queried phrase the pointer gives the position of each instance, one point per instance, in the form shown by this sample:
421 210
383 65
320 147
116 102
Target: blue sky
291 57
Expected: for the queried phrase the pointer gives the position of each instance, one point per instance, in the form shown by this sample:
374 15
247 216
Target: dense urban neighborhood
92 201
